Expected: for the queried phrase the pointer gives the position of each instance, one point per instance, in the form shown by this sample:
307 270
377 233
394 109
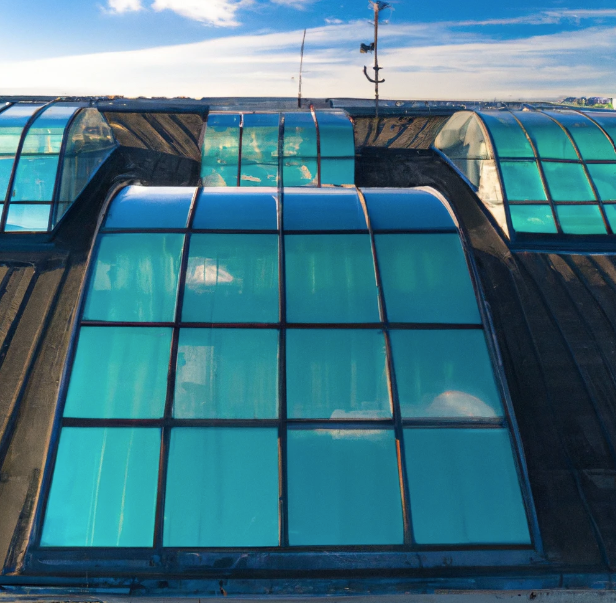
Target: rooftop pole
301 64
378 6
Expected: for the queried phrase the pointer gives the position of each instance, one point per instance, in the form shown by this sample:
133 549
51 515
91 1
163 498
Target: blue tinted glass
46 133
232 278
464 487
336 135
343 487
604 178
237 209
610 212
300 172
391 209
135 278
337 374
119 373
337 171
532 218
425 279
330 278
138 207
549 138
300 135
6 168
444 373
28 217
323 209
260 150
35 178
581 219
221 141
522 181
18 115
259 174
607 120
227 374
103 491
230 496
222 175
509 138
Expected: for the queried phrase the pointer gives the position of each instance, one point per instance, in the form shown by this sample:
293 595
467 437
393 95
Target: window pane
260 150
391 209
221 175
581 219
6 168
35 178
227 374
610 212
548 137
323 209
532 218
139 207
12 123
337 374
259 174
522 181
300 135
300 172
330 279
607 120
221 147
336 135
135 278
232 278
237 209
509 138
425 279
604 177
464 487
230 497
337 171
444 373
120 373
343 487
46 133
28 217
567 182
103 491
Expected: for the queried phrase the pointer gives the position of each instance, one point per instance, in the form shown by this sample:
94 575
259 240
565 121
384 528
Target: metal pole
376 60
301 63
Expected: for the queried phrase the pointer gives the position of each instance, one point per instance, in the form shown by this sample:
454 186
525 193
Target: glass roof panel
567 182
323 209
533 218
509 138
549 138
607 120
604 177
522 181
336 134
581 219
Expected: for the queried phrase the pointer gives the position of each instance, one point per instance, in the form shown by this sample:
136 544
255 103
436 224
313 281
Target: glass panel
260 150
46 133
425 279
300 135
581 219
119 373
336 374
464 487
227 374
6 168
522 181
35 178
330 279
607 120
604 177
548 137
391 209
532 218
103 491
12 122
444 373
219 176
337 171
151 207
343 487
323 209
567 182
221 147
590 140
462 137
300 172
237 209
230 496
258 174
135 278
232 278
610 212
509 138
336 135
28 217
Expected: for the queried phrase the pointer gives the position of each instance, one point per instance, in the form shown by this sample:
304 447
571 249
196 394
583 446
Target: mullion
417 326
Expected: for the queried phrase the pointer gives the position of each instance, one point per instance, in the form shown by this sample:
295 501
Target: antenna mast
301 64
378 6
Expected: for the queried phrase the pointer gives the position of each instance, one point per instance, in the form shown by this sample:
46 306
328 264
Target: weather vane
378 6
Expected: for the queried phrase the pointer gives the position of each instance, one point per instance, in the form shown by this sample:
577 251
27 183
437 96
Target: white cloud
124 6
334 21
299 4
221 13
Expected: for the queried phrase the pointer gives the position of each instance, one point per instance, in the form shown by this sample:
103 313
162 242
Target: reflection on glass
567 182
227 374
323 209
337 171
230 496
337 148
549 138
604 178
581 219
522 181
343 487
300 166
462 137
336 374
532 218
119 373
221 147
464 487
28 217
509 138
103 491
260 150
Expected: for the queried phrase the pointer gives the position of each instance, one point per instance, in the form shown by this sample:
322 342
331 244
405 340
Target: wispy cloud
124 6
221 13
549 17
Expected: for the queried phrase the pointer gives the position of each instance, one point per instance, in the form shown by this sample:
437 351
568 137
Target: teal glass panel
590 140
227 374
135 278
300 135
336 135
323 209
6 168
46 133
221 148
217 176
260 150
610 212
237 209
300 172
222 488
337 171
522 181
391 209
425 279
581 219
343 487
532 218
330 279
509 138
139 207
259 174
567 182
336 374
28 217
35 178
232 278
444 373
604 177
119 373
103 491
12 122
549 138
464 487
607 120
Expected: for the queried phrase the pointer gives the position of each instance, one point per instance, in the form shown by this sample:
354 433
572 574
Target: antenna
378 6
301 64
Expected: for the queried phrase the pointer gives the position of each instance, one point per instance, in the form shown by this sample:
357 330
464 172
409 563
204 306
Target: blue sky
476 49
